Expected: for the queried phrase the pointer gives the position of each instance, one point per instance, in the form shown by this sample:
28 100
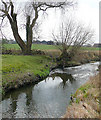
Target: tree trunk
29 40
13 23
29 35
18 38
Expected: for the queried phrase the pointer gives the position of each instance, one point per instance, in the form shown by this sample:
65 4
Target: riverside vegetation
18 70
86 101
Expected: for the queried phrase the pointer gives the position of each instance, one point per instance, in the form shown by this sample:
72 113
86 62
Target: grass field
44 47
34 46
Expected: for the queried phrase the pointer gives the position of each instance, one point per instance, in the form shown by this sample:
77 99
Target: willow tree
34 8
70 38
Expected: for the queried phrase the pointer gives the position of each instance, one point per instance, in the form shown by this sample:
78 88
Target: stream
50 97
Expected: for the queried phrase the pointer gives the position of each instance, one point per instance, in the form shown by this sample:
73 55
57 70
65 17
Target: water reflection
49 98
24 93
64 77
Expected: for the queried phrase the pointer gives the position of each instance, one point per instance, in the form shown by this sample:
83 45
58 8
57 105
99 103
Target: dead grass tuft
89 97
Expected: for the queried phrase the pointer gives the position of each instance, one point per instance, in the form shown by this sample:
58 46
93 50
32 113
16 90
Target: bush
10 51
37 52
18 52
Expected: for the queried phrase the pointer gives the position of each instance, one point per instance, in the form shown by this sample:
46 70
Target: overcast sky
87 12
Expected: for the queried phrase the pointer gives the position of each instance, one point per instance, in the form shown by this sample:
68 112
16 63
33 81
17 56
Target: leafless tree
71 36
32 14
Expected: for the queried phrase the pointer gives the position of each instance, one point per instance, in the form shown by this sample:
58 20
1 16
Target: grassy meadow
34 46
50 50
45 47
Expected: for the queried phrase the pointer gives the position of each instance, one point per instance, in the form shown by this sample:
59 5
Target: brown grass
89 105
54 53
83 55
87 56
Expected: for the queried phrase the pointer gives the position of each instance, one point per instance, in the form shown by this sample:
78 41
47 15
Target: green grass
15 68
45 47
84 88
34 46
90 48
11 46
16 63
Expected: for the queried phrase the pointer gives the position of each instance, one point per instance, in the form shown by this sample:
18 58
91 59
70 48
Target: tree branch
1 27
4 5
12 8
36 16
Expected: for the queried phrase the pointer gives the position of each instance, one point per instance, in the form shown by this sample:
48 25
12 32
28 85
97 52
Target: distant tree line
11 41
6 41
44 42
97 45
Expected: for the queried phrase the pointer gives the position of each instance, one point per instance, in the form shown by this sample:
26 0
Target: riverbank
86 102
83 57
20 70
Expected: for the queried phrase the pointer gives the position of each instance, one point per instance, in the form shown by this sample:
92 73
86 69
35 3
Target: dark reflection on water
49 98
64 76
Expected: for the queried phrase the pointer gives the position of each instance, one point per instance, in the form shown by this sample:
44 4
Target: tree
34 8
4 41
70 38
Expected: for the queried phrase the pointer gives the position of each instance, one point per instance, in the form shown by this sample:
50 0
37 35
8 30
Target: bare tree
71 37
33 10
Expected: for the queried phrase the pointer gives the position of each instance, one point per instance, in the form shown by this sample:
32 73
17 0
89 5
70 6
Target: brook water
49 98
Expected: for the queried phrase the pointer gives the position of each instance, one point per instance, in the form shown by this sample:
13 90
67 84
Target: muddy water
49 98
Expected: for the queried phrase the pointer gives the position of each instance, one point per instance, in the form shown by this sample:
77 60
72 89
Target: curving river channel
50 97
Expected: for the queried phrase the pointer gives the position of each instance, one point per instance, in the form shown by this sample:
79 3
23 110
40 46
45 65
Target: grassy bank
86 101
87 56
18 70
